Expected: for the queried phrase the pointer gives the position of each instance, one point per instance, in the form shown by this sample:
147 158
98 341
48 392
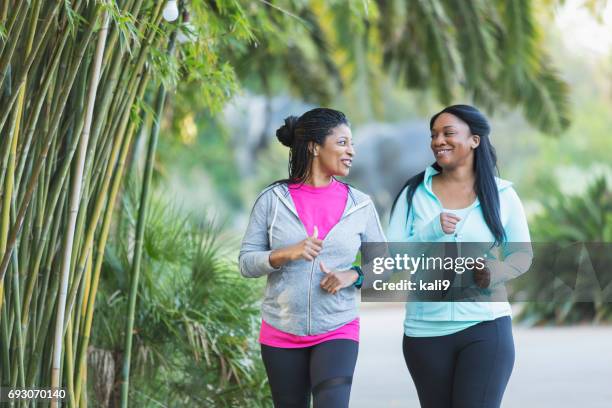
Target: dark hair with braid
485 168
298 133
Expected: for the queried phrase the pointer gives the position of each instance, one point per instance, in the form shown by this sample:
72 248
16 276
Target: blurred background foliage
382 64
567 219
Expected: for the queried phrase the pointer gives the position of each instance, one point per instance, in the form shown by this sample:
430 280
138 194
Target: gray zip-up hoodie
294 302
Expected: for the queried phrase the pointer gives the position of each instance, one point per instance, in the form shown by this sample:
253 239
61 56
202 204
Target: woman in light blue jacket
461 354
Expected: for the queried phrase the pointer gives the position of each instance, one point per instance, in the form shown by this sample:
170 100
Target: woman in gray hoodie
303 235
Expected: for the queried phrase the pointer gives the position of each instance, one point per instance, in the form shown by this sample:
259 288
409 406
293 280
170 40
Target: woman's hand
482 277
449 222
307 249
336 280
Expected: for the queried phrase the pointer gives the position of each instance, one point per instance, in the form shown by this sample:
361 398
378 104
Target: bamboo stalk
79 124
85 295
19 373
74 205
6 206
138 242
47 298
5 343
69 367
10 173
102 239
4 154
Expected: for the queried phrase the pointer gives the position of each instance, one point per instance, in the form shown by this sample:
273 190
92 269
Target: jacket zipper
294 212
431 193
428 189
310 297
349 212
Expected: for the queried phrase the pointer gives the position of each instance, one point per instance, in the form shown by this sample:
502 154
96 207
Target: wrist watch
359 280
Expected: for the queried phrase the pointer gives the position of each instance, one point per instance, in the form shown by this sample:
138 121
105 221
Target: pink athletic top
307 200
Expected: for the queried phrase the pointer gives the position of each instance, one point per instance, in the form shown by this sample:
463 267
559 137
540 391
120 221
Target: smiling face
335 156
452 142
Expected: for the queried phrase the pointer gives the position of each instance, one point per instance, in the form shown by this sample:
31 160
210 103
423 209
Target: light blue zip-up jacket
422 225
294 301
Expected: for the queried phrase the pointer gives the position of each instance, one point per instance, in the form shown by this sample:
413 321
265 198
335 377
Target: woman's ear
313 148
475 141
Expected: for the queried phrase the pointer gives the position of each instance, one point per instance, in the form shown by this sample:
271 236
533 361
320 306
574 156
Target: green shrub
565 220
195 339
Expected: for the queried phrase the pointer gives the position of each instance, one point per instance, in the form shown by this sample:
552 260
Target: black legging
325 370
467 369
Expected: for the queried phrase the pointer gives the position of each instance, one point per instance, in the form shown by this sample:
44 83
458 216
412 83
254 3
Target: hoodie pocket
276 284
348 296
287 293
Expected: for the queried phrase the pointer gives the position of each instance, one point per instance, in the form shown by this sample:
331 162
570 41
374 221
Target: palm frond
546 105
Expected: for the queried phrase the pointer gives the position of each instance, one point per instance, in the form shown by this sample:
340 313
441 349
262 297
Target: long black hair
485 168
299 132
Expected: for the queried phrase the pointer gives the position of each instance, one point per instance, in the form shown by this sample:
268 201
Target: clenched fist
336 280
482 277
307 249
449 222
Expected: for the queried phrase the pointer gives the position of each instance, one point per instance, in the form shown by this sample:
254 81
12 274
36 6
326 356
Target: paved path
569 367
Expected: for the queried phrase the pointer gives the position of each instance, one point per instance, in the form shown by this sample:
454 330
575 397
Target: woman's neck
459 175
317 179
